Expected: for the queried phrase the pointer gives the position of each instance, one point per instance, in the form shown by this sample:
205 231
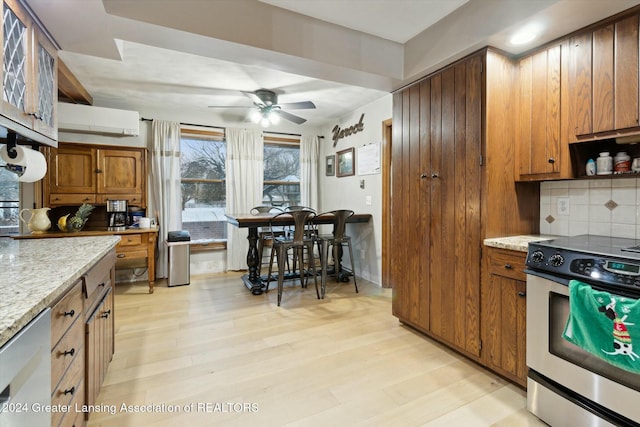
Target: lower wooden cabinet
99 326
503 314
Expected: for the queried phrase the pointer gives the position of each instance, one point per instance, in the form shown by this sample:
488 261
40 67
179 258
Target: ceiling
341 54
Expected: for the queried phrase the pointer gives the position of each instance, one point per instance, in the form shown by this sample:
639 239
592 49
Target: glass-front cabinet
29 72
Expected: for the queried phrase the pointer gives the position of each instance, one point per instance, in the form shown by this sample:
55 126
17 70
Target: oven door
565 381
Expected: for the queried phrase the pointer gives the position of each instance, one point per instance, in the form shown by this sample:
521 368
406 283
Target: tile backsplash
606 207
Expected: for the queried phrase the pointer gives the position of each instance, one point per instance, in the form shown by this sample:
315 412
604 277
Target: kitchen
375 113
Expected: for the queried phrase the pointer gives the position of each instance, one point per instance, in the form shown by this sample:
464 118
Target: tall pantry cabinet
452 185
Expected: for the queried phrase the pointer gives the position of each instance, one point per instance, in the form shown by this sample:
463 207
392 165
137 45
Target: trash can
179 257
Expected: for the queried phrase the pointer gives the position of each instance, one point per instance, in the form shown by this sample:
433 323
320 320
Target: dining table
253 281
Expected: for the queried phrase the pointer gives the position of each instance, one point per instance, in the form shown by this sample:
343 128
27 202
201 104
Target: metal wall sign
341 133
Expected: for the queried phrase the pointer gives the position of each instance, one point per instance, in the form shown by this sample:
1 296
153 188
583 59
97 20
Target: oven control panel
576 265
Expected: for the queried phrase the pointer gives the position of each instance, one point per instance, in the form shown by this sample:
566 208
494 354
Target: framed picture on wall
345 162
330 165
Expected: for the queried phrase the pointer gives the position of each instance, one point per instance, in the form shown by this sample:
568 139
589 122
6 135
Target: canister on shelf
591 167
622 162
604 164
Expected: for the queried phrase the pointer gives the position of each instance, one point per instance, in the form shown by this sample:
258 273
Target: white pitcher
38 221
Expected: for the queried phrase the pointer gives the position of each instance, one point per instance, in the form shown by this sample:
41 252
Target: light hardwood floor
217 355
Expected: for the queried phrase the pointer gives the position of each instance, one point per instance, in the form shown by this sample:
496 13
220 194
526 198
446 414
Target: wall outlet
367 200
563 206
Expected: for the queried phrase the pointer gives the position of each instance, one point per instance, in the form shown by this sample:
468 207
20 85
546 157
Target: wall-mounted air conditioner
100 120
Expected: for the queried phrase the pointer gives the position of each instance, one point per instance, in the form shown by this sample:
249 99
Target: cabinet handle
508 266
552 160
423 175
522 294
69 352
121 255
69 313
434 175
70 390
101 285
98 171
105 314
35 115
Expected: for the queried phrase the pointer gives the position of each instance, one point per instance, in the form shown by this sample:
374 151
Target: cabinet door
45 88
17 71
99 346
603 79
119 172
71 170
539 117
580 84
626 73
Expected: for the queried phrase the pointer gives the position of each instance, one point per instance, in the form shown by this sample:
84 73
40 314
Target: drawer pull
101 285
105 314
522 294
121 255
69 313
508 266
70 390
69 352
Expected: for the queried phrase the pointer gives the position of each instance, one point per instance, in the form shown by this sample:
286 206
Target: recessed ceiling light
523 38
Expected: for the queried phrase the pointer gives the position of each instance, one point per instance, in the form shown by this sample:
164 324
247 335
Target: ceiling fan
267 110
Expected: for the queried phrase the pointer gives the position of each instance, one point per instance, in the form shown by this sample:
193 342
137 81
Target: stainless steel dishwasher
25 375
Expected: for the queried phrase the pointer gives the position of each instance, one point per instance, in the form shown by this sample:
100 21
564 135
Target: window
9 203
202 169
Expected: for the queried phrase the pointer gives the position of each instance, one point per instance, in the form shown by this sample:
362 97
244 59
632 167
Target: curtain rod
223 128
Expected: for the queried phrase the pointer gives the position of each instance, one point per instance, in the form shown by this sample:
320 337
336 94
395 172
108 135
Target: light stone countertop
35 272
516 243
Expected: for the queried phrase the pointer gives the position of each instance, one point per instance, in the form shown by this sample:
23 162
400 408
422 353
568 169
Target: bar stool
298 241
336 240
265 237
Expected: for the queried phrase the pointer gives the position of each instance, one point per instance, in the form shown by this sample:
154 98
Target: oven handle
557 279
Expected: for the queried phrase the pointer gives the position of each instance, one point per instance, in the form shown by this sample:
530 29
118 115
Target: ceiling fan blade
231 106
254 98
303 105
291 117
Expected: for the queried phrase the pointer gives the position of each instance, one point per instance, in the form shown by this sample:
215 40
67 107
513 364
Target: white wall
345 192
605 207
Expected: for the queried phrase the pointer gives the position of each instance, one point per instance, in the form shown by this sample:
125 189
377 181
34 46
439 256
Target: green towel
605 325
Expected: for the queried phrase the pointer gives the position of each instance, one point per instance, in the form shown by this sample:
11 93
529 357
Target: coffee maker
117 215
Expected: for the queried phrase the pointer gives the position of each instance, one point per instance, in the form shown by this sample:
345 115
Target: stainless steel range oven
566 385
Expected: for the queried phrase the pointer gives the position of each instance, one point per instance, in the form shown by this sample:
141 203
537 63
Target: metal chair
336 240
298 240
265 238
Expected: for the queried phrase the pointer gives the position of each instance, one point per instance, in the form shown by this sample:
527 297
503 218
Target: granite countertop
34 273
516 243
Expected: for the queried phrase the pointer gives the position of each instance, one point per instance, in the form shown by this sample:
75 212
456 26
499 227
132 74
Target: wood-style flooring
213 354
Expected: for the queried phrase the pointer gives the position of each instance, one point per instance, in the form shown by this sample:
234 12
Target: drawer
65 312
131 254
130 240
132 199
72 418
69 386
71 199
65 353
99 275
508 264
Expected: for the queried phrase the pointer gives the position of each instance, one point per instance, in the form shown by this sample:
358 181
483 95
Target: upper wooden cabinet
603 80
94 174
29 84
538 134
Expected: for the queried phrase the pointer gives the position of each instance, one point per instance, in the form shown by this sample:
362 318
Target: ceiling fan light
274 118
255 116
265 122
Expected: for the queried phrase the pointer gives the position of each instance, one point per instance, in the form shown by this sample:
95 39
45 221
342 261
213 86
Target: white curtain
245 177
309 153
166 197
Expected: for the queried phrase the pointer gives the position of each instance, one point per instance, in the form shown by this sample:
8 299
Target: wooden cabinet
541 152
79 174
67 355
30 72
503 315
603 79
141 245
452 185
99 326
